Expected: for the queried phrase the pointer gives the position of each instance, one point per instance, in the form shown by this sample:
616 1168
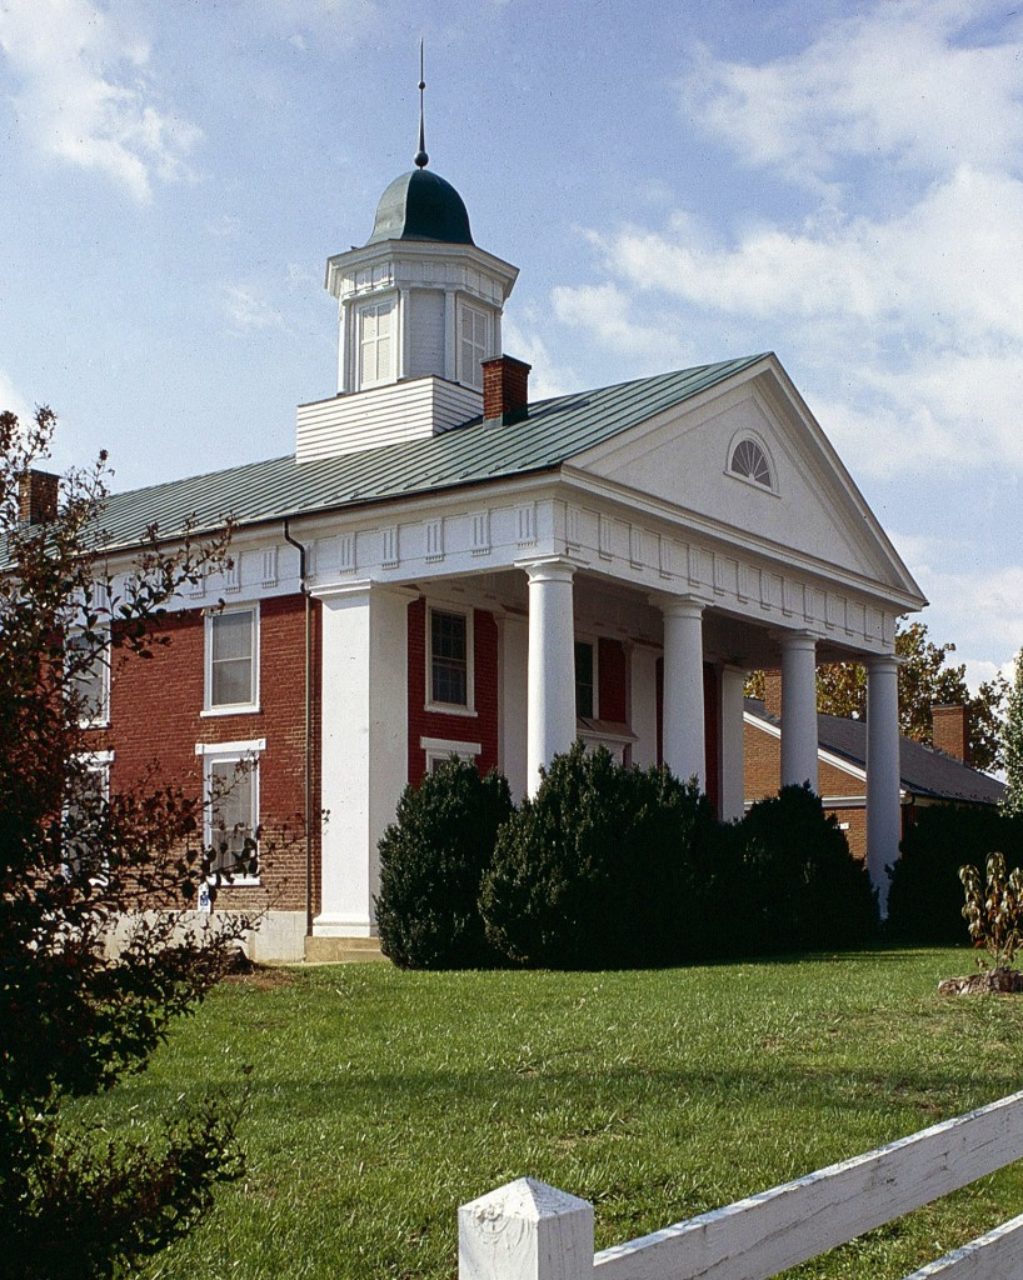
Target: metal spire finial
422 159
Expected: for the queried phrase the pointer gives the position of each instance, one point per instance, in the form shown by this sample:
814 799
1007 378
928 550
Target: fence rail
530 1231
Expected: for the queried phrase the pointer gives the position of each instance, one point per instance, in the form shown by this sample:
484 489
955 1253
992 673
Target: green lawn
382 1100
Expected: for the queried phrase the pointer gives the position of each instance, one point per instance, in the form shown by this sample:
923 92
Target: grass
382 1100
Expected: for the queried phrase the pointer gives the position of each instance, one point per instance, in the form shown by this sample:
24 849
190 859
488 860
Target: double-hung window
231 829
585 679
88 671
449 666
84 819
232 660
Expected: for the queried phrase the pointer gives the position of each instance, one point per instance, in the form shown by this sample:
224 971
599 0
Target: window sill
243 709
451 709
238 882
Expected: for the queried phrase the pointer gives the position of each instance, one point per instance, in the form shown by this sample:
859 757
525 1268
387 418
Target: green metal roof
555 430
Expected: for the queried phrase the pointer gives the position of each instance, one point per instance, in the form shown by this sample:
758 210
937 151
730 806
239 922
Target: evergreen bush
798 887
431 862
600 869
925 898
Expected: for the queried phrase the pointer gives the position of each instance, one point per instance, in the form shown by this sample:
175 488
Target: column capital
549 568
678 606
884 662
795 639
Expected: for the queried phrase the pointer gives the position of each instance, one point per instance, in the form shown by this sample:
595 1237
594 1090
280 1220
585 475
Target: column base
343 926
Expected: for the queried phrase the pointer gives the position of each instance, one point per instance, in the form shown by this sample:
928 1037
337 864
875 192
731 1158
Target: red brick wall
482 727
155 707
612 679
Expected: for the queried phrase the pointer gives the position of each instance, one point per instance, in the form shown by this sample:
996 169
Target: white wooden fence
530 1231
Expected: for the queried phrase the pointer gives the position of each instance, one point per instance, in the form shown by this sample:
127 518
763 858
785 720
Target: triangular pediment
810 506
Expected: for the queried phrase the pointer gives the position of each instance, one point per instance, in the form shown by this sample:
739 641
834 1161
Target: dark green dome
421 206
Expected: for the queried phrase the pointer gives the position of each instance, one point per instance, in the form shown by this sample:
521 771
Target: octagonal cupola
419 298
419 310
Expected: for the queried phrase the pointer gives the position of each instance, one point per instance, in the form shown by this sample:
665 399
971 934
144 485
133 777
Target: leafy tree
926 679
77 867
1012 802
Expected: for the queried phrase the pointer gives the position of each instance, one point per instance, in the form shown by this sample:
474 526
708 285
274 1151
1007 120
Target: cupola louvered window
376 344
473 335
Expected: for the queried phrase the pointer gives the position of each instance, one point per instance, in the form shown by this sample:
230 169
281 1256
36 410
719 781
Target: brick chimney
505 389
37 496
772 693
951 731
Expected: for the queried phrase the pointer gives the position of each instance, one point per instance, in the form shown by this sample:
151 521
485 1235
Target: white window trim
737 439
101 721
452 708
472 378
594 643
373 303
235 708
246 752
440 749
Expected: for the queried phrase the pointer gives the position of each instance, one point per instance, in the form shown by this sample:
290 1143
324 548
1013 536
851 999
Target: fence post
526 1231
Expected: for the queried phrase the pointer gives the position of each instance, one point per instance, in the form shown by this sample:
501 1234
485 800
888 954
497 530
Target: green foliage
593 871
798 887
925 897
1012 802
612 867
994 911
431 863
76 1013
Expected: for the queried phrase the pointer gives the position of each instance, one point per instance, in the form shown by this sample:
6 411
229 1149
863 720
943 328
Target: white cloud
248 311
12 401
898 81
546 378
612 317
84 96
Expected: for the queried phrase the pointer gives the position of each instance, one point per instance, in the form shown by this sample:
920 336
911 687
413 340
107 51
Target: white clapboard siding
400 411
994 1256
762 1235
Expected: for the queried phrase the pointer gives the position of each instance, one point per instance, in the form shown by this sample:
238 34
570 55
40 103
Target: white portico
498 578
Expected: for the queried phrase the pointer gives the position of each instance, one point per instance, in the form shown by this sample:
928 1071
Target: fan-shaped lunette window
750 462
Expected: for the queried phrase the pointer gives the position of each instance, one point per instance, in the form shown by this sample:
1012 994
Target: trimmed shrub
798 887
925 901
599 869
431 863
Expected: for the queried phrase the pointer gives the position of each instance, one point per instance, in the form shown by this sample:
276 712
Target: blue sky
841 183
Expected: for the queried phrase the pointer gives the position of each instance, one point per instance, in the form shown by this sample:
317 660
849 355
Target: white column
684 731
883 771
364 745
513 664
732 788
798 709
550 711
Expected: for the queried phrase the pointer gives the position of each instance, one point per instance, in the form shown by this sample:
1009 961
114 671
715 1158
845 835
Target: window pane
232 635
232 667
584 679
449 658
88 682
231 818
